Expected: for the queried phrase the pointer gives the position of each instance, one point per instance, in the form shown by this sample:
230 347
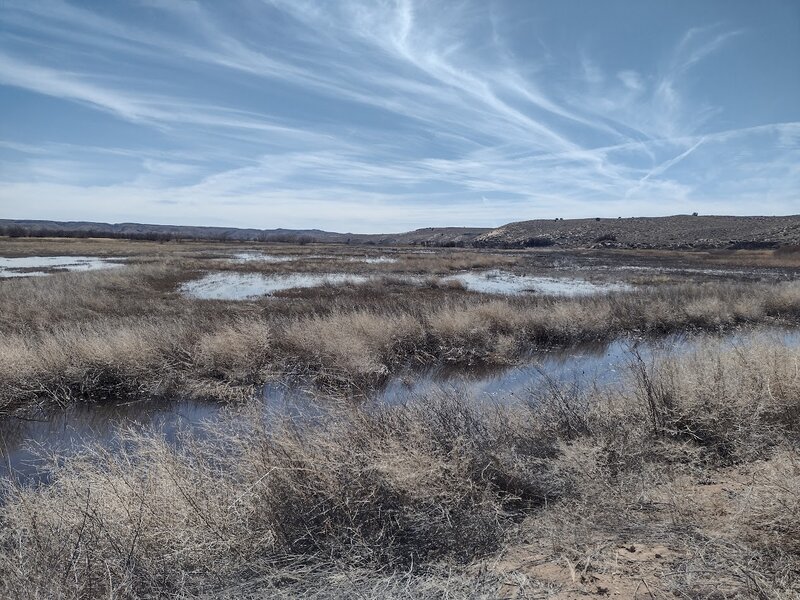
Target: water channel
62 431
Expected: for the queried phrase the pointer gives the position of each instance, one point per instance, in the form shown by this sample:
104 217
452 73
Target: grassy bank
681 483
128 332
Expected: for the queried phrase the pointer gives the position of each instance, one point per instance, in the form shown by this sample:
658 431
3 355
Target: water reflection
500 282
243 286
40 265
25 442
65 430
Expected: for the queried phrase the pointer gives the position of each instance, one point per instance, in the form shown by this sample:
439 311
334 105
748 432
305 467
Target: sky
384 116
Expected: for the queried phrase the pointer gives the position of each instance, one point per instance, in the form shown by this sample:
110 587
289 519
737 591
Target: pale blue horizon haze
384 116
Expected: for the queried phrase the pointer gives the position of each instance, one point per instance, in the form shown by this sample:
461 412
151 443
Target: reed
440 494
97 335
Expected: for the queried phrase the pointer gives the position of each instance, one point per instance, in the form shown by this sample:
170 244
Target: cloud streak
418 113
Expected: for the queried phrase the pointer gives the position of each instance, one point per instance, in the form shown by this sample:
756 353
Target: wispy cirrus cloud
420 113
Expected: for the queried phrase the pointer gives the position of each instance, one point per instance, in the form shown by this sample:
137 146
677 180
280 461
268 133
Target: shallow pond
282 258
27 266
26 443
501 282
270 258
66 430
244 286
373 260
247 286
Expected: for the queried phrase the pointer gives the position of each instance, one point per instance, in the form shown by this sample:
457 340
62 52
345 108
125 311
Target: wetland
178 412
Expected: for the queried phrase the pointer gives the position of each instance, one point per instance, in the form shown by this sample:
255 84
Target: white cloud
427 123
631 80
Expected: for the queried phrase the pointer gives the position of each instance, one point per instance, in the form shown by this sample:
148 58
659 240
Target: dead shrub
735 403
238 352
770 509
358 344
395 487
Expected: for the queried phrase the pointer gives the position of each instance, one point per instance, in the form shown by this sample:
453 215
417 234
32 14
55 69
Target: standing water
41 265
64 431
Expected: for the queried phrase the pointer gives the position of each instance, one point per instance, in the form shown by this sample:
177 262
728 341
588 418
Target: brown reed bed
683 482
112 334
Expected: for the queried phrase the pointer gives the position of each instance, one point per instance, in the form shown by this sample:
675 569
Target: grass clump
442 484
384 490
354 344
128 332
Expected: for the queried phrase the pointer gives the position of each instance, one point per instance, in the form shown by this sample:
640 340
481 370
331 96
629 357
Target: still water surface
23 442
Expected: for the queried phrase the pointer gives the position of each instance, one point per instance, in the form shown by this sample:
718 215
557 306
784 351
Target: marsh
377 409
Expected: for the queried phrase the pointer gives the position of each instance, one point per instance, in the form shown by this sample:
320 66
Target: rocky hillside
677 232
429 236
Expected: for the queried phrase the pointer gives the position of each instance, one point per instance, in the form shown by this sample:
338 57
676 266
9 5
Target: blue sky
392 115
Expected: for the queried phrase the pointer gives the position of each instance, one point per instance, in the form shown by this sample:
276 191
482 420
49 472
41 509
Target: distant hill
676 232
145 231
429 236
442 236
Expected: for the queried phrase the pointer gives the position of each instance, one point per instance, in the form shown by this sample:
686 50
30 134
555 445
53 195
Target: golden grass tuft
440 483
360 343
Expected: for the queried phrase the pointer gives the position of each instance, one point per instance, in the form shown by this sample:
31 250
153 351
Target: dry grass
98 335
686 479
386 491
683 483
240 351
333 260
770 510
84 246
355 344
786 257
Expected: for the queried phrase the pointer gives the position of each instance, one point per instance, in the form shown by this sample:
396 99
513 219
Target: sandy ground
655 559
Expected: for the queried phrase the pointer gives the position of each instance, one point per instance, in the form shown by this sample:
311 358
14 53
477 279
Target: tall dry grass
360 345
429 488
385 490
98 335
